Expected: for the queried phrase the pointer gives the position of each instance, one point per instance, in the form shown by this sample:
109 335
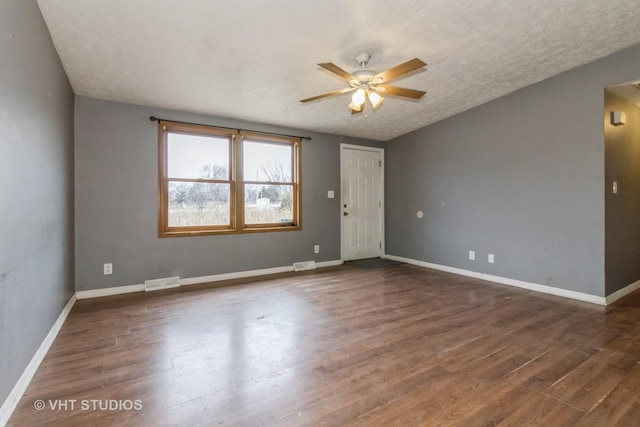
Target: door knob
345 213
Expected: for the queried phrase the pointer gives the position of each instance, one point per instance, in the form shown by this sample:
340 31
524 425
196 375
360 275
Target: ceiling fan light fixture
355 108
358 97
375 99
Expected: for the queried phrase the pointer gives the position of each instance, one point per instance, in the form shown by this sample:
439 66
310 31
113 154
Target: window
216 180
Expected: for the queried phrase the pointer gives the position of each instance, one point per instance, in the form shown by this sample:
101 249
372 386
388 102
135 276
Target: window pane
267 162
198 157
268 204
198 203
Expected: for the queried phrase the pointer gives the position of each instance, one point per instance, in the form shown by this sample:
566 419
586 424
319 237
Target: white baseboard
95 293
198 280
235 275
9 405
580 296
250 273
622 292
333 263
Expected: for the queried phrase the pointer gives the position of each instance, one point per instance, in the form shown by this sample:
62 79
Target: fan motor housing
364 75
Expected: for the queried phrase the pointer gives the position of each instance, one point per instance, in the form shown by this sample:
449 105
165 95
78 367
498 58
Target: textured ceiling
628 91
254 60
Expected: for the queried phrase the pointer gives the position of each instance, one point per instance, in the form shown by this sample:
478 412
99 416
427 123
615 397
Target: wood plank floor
399 345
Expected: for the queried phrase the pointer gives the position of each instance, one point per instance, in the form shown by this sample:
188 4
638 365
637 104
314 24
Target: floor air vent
305 265
157 284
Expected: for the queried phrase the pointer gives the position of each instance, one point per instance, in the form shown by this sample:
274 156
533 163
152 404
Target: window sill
248 230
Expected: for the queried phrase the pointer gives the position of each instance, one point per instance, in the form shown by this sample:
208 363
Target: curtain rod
157 119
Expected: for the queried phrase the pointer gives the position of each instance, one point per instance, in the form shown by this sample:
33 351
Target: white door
362 202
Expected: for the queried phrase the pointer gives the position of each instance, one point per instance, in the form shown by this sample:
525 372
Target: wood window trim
236 182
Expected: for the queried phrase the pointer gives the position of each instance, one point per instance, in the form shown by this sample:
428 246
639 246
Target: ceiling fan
369 85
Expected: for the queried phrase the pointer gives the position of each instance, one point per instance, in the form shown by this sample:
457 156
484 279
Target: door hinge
380 245
379 163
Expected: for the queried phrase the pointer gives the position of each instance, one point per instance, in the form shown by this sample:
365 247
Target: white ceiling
254 60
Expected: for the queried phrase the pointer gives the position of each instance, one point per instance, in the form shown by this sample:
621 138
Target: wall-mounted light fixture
618 118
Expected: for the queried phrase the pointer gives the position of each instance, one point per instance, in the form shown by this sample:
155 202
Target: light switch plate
330 194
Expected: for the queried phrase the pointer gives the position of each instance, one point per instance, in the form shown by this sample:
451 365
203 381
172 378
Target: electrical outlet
491 259
108 269
472 255
316 249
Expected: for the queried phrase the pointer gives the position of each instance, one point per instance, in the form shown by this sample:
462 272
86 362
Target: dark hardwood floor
400 345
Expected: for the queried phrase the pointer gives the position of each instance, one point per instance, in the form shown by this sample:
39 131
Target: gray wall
36 195
521 177
117 203
622 210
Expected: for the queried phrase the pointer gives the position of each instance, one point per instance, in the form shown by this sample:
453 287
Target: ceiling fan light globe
358 97
375 99
355 107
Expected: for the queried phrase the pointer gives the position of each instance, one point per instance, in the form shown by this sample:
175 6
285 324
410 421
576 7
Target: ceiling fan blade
353 111
337 71
399 70
400 91
326 95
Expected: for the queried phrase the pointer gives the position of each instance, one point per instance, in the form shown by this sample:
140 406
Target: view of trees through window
268 191
200 203
196 165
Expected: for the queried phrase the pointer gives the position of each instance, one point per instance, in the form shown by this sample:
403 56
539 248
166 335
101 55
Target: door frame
380 152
